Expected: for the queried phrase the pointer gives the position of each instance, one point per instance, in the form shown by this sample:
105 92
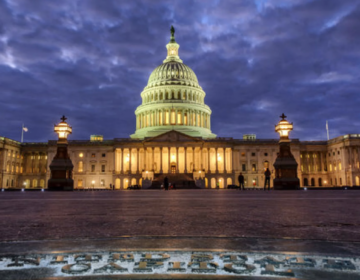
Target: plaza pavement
299 223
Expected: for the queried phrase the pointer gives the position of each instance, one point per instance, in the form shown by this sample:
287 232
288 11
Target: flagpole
22 133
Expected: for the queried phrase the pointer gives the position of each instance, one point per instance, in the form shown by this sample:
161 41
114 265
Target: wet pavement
291 227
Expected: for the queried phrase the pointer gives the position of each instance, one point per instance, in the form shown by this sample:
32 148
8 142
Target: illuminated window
81 155
330 167
339 165
80 183
21 169
17 169
9 153
93 168
12 168
242 154
92 155
185 119
45 157
102 182
266 164
173 117
81 166
253 167
179 120
7 168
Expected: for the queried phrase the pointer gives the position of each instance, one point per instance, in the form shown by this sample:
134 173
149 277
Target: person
267 179
166 183
241 182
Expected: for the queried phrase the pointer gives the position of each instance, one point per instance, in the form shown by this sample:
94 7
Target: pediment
173 136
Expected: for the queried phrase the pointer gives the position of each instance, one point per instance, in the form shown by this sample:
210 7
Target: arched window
340 167
357 181
306 183
12 182
133 181
213 183
312 182
330 167
35 183
340 181
228 181
320 182
42 183
126 183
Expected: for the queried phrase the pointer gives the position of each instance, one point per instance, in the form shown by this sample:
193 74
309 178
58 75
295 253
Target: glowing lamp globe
63 129
283 128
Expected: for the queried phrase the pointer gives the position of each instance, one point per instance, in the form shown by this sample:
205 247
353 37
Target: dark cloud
90 60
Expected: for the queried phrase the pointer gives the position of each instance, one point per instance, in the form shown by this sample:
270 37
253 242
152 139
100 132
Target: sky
255 59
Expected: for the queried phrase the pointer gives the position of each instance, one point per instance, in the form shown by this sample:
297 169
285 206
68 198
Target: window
266 154
339 165
339 154
102 182
333 153
93 168
103 168
242 154
80 183
243 167
81 155
92 155
252 154
103 155
253 167
81 166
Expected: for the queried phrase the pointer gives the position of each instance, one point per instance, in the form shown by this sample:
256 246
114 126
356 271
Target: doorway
173 168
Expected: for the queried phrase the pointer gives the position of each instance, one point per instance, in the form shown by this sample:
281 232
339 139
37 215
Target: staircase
182 181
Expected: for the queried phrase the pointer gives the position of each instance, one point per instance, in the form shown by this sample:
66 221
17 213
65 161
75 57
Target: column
209 170
321 162
193 150
122 160
137 160
145 168
216 160
169 171
129 160
225 165
177 159
161 164
201 158
153 161
183 116
232 160
185 155
176 117
163 117
196 118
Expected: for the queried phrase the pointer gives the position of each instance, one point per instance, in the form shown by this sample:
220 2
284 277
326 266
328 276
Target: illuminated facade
173 138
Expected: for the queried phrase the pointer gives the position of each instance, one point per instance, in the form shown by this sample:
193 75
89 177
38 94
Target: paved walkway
323 226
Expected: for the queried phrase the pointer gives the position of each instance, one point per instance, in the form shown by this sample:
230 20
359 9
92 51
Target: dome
173 73
173 100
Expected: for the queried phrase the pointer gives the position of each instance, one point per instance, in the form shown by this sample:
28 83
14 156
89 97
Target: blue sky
90 60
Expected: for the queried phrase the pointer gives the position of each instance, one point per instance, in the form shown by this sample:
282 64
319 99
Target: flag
25 129
327 127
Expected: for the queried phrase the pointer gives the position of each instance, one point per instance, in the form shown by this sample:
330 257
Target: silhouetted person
267 179
241 182
166 183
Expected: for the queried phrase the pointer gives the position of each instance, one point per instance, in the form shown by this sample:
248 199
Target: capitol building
173 138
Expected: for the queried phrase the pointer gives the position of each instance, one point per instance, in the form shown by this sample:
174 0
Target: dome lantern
172 48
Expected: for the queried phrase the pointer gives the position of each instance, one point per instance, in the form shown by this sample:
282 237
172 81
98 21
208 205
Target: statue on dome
172 30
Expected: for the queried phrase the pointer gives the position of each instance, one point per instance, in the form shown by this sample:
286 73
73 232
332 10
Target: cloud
255 59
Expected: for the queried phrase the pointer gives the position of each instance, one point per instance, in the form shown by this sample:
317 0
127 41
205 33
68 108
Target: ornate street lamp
61 166
285 163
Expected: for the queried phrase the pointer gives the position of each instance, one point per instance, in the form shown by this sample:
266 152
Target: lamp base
61 185
286 184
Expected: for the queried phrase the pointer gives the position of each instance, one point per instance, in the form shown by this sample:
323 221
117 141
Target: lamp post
61 166
285 163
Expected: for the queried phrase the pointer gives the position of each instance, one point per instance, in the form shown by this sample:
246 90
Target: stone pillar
177 159
122 161
193 150
232 160
201 158
137 160
163 117
216 160
185 156
169 171
209 169
153 159
161 163
145 167
130 160
225 165
196 118
183 116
